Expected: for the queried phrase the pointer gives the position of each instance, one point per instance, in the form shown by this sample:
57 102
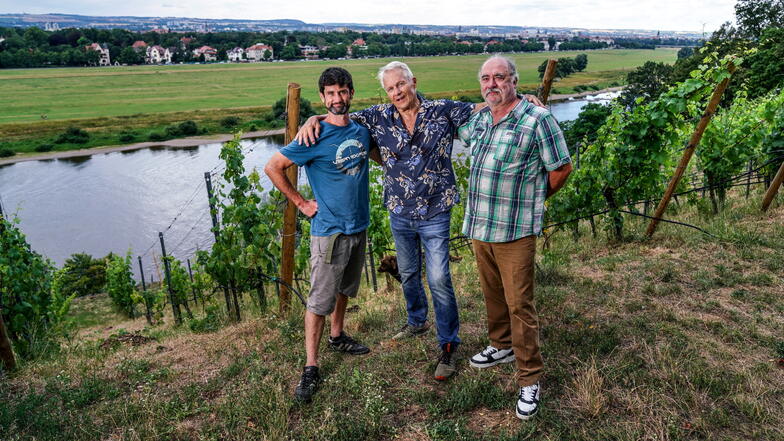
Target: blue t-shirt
337 169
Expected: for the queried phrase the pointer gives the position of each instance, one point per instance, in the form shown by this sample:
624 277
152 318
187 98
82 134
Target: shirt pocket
475 141
512 144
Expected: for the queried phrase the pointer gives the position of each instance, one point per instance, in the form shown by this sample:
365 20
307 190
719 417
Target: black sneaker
408 331
346 344
446 362
307 384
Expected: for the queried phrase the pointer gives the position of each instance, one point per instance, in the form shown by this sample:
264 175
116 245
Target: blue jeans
433 234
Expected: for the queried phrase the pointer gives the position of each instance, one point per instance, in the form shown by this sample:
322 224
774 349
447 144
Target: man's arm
276 170
557 178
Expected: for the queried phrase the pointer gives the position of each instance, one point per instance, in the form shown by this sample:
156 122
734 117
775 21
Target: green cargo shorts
335 267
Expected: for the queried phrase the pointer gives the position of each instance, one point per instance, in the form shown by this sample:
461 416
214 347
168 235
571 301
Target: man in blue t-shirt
337 169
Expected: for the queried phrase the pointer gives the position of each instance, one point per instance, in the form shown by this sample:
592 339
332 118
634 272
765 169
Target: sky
675 15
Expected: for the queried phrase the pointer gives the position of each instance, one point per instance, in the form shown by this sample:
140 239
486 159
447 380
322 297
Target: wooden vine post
290 214
773 189
689 151
547 81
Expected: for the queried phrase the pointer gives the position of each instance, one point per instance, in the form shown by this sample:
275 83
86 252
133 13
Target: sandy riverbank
175 143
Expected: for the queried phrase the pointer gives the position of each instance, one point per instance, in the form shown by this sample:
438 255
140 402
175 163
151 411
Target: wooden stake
547 81
773 189
290 214
689 151
7 360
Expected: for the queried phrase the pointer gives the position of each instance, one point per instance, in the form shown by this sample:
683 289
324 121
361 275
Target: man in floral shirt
415 137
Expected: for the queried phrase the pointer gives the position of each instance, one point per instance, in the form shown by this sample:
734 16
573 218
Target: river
120 201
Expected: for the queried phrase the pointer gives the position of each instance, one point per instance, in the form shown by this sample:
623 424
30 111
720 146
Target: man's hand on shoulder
533 99
309 132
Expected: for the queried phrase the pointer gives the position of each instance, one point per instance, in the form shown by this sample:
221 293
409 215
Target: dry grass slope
674 338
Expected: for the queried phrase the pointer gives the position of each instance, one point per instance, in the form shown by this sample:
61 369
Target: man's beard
339 109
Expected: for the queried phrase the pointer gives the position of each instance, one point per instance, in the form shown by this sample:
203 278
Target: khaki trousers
506 273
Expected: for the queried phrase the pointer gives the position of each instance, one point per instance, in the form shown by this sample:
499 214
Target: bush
120 285
44 148
82 275
173 131
230 121
72 135
188 128
6 152
156 136
127 136
305 109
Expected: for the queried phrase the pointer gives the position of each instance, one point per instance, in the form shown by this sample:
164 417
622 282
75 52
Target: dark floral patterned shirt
418 179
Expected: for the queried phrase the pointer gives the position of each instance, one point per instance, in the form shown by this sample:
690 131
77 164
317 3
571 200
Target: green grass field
74 93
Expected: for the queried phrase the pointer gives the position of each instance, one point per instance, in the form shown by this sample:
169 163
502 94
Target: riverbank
172 143
211 124
555 98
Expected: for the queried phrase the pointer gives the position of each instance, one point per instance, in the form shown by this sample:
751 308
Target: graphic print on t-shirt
349 156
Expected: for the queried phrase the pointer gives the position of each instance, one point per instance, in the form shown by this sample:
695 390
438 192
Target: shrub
173 131
120 285
82 275
72 135
188 128
230 121
305 109
156 136
44 148
6 152
127 136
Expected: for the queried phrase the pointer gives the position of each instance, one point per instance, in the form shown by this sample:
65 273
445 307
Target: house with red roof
257 51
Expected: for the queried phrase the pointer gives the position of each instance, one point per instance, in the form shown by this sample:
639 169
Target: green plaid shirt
507 185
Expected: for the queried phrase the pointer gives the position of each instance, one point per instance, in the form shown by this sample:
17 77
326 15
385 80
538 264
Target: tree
767 65
551 43
36 37
305 109
580 62
647 82
267 54
289 52
130 56
565 67
754 16
586 126
685 52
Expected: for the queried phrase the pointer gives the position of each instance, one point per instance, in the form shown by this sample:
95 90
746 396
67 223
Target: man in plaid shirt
518 159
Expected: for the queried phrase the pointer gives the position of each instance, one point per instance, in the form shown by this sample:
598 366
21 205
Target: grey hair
403 67
510 66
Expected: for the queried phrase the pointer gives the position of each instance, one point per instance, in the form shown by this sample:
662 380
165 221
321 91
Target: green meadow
34 95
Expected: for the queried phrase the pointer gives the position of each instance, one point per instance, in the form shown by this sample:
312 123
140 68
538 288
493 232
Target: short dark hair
335 75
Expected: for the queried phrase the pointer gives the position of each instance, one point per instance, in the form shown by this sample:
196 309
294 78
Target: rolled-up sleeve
552 145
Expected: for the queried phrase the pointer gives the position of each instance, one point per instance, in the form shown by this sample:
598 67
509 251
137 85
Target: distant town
71 40
52 22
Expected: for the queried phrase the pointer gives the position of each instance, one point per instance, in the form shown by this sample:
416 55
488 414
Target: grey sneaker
446 363
411 331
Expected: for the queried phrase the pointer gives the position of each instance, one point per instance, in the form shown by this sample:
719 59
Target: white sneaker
527 402
490 356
